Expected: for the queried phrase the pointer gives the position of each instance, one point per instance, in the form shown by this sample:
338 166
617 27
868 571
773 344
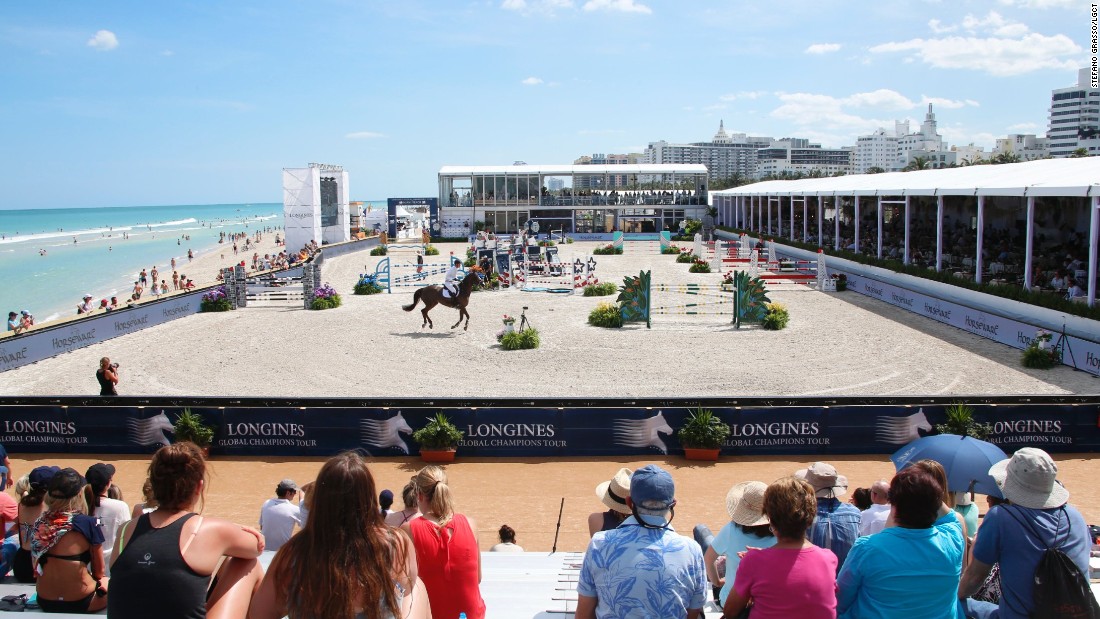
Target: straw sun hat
614 493
745 504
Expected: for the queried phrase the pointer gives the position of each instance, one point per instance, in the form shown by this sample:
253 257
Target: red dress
447 558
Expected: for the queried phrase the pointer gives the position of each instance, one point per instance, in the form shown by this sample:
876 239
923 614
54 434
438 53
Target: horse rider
450 280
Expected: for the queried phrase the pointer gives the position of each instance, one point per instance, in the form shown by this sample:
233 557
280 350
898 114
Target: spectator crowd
791 548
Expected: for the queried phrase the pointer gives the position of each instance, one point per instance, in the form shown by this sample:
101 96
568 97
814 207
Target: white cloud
536 6
1023 127
937 26
745 94
961 136
1043 4
104 41
822 48
623 6
883 97
531 81
836 120
168 52
995 24
364 135
1000 56
950 104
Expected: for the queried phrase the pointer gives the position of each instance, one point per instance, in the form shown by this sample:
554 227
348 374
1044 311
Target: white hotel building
1075 118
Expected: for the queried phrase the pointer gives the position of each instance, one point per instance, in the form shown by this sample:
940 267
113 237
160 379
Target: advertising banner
44 343
536 432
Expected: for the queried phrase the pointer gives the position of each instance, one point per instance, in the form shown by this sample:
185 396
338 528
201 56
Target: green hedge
600 290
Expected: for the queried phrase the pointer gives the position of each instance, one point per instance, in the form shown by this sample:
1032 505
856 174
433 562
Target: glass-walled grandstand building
574 198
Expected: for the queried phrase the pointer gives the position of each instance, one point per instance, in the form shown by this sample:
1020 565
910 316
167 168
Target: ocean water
102 262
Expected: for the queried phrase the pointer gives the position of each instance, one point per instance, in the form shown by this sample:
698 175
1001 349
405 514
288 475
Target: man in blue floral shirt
643 568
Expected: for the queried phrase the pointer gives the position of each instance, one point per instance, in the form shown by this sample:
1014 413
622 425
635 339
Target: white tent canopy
1045 177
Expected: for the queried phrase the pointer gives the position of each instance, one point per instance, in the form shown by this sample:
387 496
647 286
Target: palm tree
875 170
918 163
1080 152
1008 157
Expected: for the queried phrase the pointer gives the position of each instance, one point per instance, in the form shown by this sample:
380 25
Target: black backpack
1061 590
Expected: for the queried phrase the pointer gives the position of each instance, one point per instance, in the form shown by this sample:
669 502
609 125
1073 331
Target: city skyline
119 105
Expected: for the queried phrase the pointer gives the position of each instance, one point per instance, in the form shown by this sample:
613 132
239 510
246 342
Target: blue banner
535 432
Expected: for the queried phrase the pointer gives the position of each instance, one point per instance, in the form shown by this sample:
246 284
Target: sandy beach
836 344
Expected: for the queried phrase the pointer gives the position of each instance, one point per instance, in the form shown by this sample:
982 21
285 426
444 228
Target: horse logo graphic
901 430
151 431
383 433
642 432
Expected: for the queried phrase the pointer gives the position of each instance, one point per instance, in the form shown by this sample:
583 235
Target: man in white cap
836 526
279 515
643 568
1036 516
873 519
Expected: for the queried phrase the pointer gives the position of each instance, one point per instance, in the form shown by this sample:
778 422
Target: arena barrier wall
606 428
1008 322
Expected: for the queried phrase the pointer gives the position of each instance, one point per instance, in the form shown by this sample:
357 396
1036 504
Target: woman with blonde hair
446 548
67 547
345 563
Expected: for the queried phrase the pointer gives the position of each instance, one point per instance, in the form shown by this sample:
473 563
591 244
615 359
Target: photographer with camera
107 375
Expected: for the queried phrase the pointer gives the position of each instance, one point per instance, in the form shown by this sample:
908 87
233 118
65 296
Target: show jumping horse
433 295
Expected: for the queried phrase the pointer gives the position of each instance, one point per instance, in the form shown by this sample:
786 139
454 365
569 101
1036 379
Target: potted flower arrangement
1042 338
703 434
215 301
671 249
192 427
438 440
509 323
367 285
841 282
960 421
1039 355
699 266
324 298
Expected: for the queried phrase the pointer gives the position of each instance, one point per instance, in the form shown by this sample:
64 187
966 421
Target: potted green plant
438 440
960 421
192 427
703 434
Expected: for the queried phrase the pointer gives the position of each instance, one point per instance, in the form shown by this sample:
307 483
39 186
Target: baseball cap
66 484
40 476
285 485
652 489
99 475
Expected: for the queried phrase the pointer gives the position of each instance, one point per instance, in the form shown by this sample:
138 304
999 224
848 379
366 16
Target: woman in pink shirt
794 578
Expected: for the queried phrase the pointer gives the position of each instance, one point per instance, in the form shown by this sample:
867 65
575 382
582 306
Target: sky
119 103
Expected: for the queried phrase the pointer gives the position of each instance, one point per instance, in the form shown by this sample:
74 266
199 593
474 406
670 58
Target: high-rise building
878 150
614 181
926 143
1075 117
725 155
799 156
1026 146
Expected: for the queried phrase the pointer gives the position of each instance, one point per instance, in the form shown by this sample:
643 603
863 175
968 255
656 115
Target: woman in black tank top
165 560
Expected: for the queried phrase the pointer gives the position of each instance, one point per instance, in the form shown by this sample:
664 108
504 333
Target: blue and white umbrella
966 460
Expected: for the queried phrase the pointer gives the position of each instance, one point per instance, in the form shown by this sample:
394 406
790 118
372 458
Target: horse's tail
416 299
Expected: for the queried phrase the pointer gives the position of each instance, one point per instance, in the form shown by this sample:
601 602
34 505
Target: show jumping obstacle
638 304
402 275
641 243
